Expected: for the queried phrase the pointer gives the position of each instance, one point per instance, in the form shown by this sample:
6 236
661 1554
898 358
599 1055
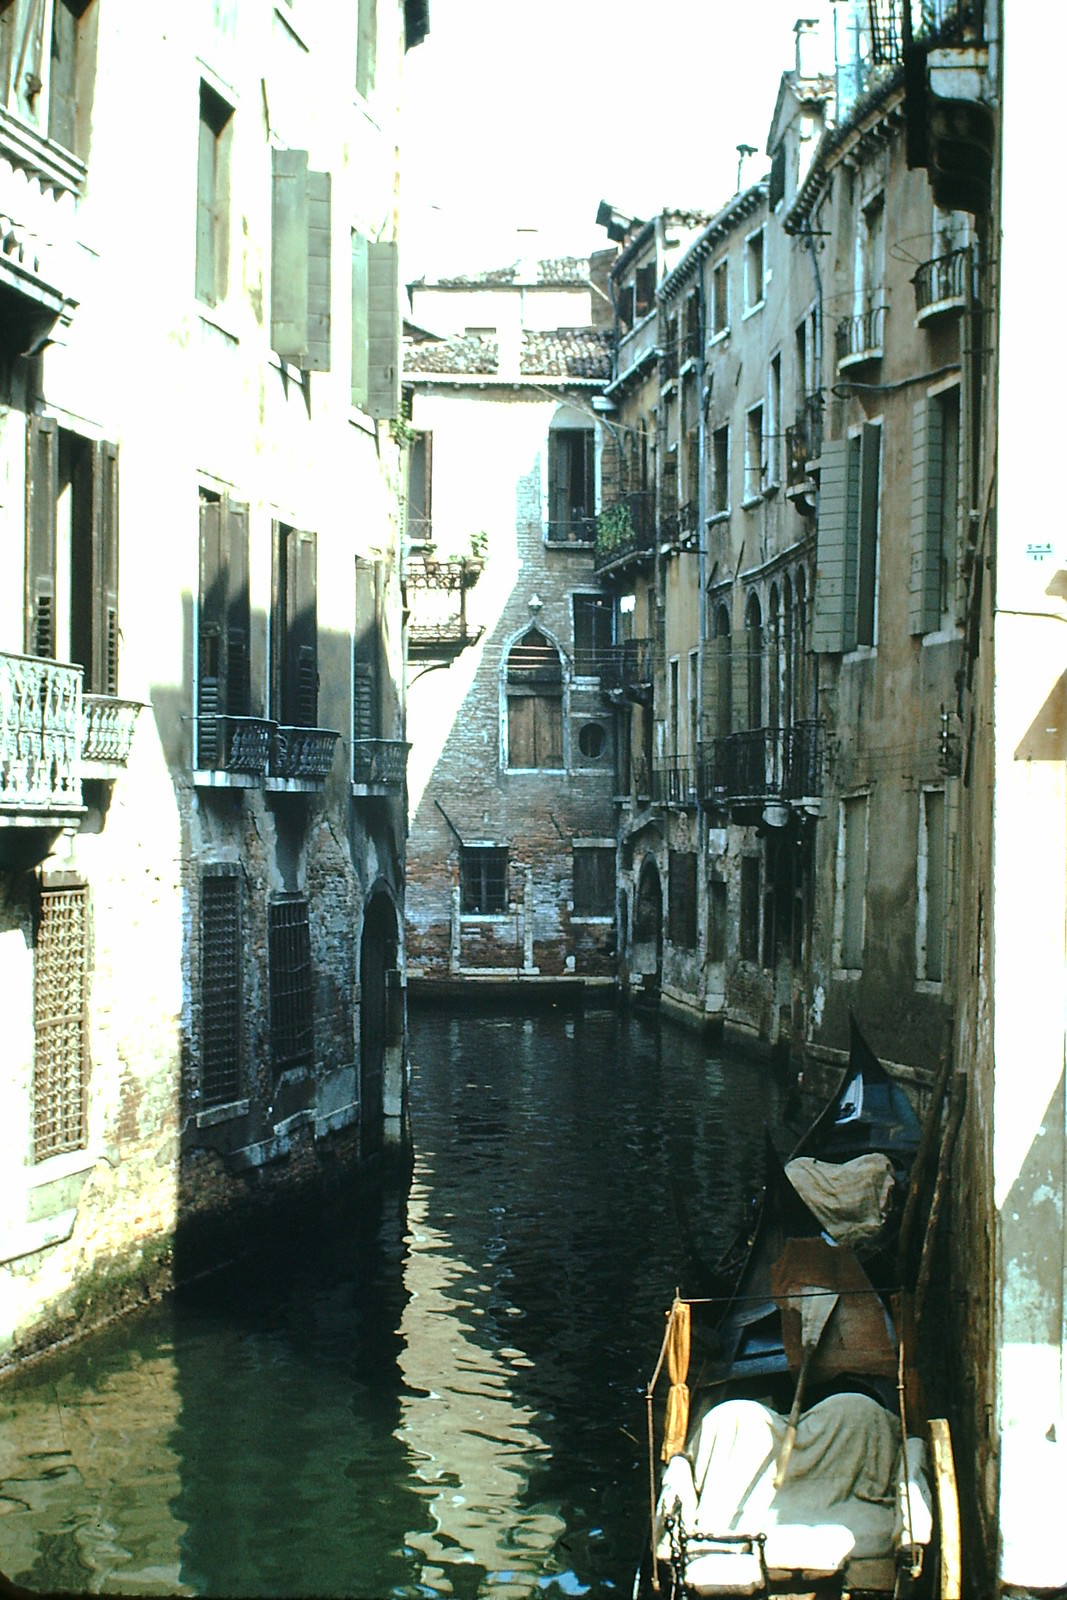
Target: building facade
202 927
511 855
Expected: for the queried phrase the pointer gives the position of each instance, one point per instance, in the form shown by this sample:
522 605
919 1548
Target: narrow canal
443 1399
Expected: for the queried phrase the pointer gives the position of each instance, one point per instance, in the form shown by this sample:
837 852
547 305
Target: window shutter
548 722
104 648
359 321
558 485
366 46
830 562
926 467
318 270
365 686
211 679
238 622
62 79
867 543
42 484
205 211
522 751
301 667
383 332
740 672
289 255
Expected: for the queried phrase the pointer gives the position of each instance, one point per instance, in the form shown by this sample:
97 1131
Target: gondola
801 1461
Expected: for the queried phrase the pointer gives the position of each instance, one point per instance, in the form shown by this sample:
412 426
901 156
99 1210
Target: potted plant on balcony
614 528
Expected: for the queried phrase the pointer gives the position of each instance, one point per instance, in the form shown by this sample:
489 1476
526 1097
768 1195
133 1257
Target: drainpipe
809 240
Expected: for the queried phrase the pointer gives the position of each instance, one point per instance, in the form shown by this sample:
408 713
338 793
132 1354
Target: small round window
591 740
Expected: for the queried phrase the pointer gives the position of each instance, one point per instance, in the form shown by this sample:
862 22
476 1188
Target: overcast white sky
528 115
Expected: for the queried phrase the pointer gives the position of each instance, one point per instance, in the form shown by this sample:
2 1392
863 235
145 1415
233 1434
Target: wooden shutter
924 589
366 46
211 632
62 79
522 748
867 540
548 731
103 675
42 485
830 558
289 255
558 482
238 620
366 702
205 208
359 321
383 332
301 627
318 270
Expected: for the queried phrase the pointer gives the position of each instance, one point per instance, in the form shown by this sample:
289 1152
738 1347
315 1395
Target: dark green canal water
443 1397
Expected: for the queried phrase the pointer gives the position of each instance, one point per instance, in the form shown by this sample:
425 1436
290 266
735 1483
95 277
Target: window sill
860 652
523 772
848 974
750 311
751 501
929 986
718 338
596 918
669 387
473 918
211 778
224 1113
715 517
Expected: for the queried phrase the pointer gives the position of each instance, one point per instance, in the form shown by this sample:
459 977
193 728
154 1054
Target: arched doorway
381 1024
647 954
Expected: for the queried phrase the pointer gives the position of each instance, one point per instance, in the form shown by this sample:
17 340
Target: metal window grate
291 1020
220 989
61 1032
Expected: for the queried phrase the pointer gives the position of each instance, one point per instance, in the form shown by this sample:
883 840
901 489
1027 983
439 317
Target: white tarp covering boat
851 1199
852 1497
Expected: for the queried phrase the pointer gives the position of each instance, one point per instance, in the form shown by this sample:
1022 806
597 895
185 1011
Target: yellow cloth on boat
842 1499
851 1199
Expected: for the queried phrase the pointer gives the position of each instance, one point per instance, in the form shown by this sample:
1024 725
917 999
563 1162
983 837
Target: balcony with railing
803 440
860 339
437 605
577 527
232 752
761 764
379 766
626 532
626 671
300 758
107 738
941 285
674 781
41 736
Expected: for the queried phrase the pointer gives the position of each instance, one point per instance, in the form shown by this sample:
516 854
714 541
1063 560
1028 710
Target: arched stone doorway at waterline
646 951
381 1028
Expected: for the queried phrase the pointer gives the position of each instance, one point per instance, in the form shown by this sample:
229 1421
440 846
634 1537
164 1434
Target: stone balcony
300 758
232 752
41 741
108 726
379 766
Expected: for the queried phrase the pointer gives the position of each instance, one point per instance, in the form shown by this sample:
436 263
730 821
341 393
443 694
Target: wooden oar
815 1305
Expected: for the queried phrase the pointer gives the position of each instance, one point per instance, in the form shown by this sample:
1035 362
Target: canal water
443 1397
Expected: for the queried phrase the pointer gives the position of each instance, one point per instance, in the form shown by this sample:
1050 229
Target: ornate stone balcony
301 758
379 766
107 734
232 752
40 742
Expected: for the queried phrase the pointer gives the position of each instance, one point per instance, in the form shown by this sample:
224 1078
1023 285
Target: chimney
806 30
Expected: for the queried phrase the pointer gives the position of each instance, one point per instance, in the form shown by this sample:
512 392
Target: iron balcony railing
803 440
380 763
895 24
237 745
764 764
305 753
627 666
942 281
674 781
108 729
40 736
576 528
860 338
626 530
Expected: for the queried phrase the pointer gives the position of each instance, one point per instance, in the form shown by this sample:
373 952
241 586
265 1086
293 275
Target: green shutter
104 647
366 46
42 485
238 628
301 629
924 593
289 255
359 321
318 269
206 276
867 541
830 551
211 630
383 332
366 719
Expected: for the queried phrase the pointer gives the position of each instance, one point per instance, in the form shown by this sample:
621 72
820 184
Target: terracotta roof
567 353
564 270
471 353
554 271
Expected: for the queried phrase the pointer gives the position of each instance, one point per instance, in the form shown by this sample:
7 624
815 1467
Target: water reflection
441 1394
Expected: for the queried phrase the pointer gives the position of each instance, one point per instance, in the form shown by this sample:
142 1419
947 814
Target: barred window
220 988
291 1019
483 880
594 881
61 1032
